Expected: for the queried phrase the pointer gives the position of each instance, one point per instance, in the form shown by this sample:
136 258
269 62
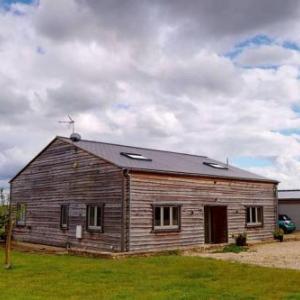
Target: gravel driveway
278 255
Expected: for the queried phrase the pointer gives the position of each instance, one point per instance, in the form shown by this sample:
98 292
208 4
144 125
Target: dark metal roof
163 161
288 194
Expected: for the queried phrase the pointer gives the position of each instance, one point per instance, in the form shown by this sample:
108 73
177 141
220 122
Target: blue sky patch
248 161
265 67
290 131
9 2
291 45
234 53
256 42
5 4
296 108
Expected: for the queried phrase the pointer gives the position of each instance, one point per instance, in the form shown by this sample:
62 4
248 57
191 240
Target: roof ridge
143 148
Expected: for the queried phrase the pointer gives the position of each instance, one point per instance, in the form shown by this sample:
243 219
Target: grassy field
37 276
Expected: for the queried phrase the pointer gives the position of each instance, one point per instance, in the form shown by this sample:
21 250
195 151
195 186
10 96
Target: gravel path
278 255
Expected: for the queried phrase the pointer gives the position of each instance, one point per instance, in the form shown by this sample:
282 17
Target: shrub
241 239
3 221
234 248
278 234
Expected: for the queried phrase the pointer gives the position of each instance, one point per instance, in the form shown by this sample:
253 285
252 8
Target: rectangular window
254 216
21 214
175 215
64 216
95 217
157 216
166 217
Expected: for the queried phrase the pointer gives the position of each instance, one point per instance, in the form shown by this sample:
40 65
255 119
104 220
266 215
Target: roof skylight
135 156
216 165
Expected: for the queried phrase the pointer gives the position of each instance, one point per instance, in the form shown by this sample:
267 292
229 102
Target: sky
212 77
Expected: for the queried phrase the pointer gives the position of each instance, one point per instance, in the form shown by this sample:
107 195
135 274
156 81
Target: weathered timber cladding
193 194
64 174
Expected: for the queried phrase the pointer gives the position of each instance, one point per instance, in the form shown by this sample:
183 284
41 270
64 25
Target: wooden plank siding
193 194
64 174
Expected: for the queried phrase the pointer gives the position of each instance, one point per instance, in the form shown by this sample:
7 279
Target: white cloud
269 55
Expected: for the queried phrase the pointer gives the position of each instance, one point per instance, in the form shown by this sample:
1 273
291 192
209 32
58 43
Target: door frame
208 235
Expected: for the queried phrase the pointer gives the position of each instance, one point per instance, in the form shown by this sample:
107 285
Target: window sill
254 225
166 230
94 230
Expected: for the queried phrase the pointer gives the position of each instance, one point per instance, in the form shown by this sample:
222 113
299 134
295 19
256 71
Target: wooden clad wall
193 193
63 174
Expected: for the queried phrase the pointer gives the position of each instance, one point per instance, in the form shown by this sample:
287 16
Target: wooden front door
215 219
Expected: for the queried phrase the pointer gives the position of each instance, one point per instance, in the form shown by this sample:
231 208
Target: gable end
47 147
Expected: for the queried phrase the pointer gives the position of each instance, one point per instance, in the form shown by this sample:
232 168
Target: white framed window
254 216
166 217
95 217
64 216
21 214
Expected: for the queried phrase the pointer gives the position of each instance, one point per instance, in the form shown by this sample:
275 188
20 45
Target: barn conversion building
99 196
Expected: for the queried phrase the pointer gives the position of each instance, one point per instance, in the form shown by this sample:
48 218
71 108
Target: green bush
234 248
241 239
278 234
3 220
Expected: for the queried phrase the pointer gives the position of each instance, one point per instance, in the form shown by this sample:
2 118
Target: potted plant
278 234
241 239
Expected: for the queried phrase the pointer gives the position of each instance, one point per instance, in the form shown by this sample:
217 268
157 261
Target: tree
3 214
2 196
6 225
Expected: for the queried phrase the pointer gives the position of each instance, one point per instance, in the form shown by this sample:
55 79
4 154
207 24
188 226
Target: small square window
166 217
21 214
95 217
254 216
64 216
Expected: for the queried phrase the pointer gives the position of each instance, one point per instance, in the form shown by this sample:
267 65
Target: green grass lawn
37 276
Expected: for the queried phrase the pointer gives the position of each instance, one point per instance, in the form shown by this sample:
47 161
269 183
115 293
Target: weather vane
71 123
